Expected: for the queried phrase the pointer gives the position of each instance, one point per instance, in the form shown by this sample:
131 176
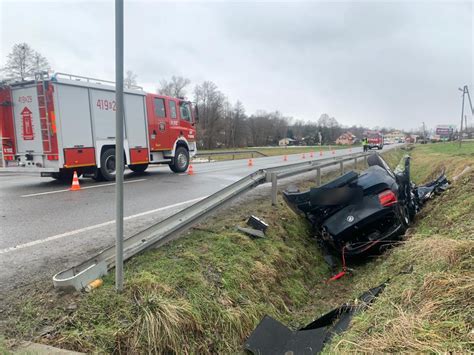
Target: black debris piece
255 233
257 223
273 338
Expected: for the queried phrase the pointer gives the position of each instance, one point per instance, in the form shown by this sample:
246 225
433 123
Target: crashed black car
359 213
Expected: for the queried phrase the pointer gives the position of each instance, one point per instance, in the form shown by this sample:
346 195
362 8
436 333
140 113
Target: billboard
445 131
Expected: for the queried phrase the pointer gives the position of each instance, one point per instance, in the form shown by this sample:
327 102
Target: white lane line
82 188
100 225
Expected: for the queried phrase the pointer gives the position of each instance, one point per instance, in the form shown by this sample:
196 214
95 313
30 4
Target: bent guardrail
79 276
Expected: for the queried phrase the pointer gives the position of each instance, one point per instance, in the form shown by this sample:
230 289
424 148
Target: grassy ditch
206 292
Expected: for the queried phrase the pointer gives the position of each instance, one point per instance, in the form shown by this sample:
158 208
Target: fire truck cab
64 123
375 140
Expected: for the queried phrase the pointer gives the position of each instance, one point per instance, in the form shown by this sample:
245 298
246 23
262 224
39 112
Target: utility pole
424 133
119 145
465 91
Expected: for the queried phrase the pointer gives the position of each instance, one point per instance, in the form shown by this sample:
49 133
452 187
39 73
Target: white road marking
100 225
82 188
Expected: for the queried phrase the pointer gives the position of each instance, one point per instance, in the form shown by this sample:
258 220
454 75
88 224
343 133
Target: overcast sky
373 63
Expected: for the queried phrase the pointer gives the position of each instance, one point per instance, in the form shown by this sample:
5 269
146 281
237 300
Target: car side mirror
196 114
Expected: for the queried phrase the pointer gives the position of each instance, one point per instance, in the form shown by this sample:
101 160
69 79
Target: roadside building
394 137
411 138
286 141
346 139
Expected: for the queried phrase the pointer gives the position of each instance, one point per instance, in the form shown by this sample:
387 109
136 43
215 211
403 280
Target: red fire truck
58 124
375 139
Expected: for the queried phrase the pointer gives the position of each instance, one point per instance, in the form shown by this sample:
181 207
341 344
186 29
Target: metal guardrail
230 152
78 277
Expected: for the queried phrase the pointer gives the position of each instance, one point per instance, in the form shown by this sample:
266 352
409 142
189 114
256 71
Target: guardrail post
341 164
233 156
355 163
274 188
318 176
209 159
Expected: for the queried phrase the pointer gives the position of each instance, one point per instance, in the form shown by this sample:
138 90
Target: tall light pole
119 145
465 91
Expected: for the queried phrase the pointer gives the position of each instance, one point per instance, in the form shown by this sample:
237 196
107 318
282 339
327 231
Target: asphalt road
46 228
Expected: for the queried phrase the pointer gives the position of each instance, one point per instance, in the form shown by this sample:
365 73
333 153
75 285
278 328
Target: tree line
222 123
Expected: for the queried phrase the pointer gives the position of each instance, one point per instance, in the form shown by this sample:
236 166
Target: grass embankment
242 153
430 309
206 292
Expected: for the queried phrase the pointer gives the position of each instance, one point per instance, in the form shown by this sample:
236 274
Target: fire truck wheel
180 161
107 164
138 168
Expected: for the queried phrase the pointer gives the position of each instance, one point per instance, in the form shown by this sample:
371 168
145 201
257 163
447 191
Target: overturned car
357 214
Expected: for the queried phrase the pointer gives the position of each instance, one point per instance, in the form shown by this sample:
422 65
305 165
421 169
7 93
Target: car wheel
180 160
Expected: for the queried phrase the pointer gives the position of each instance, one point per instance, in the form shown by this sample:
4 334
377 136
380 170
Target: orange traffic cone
190 170
303 156
285 158
250 163
75 183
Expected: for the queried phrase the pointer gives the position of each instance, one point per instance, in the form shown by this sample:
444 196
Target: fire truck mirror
196 114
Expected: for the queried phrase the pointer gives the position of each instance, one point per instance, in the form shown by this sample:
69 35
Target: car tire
180 161
107 165
138 168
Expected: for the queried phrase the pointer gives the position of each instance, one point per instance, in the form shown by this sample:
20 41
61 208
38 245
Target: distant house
394 137
346 139
411 138
286 141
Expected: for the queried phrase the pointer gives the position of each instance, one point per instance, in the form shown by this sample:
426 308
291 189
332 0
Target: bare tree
330 128
211 104
175 87
238 125
23 62
130 79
